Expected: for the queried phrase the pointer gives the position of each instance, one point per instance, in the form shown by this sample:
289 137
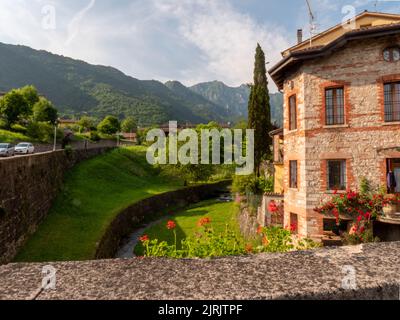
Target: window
293 174
337 175
334 102
391 54
294 223
392 102
292 113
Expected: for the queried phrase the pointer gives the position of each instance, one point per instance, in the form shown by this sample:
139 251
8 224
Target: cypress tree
260 111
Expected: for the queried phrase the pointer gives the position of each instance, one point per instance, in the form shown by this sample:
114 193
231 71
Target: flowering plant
362 208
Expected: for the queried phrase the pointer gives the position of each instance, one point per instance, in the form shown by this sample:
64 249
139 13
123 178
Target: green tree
86 123
30 94
110 125
260 111
14 106
129 125
44 111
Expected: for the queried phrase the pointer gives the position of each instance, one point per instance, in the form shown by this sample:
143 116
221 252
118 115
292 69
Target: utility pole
55 136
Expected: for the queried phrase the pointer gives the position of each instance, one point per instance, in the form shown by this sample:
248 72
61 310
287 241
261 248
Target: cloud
187 40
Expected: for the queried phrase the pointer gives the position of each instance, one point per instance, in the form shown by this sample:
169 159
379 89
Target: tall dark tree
260 111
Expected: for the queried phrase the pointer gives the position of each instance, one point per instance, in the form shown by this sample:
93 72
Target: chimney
299 36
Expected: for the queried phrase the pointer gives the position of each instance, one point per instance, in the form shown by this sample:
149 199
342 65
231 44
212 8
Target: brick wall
28 187
365 141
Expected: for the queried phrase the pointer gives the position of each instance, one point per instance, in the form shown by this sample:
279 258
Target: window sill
292 131
394 123
337 126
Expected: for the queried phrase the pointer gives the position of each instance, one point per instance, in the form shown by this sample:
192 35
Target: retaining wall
28 187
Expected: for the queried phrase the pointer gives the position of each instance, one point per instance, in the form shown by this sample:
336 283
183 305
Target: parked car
6 150
24 148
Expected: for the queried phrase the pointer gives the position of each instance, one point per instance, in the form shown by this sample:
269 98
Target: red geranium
272 207
171 225
260 230
144 238
204 221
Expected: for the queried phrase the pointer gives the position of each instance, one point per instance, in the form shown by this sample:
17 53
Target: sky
190 41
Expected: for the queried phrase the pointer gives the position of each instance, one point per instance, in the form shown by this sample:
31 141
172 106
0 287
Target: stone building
341 114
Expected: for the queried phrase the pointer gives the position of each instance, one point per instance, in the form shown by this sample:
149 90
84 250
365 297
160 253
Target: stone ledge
298 275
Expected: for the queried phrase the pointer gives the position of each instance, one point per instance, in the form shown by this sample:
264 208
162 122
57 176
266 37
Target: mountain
78 88
235 100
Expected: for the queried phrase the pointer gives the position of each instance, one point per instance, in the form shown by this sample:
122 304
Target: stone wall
149 210
28 187
318 274
365 141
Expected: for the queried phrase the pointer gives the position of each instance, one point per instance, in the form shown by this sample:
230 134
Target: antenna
312 21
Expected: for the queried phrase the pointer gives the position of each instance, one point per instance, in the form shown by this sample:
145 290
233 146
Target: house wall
360 68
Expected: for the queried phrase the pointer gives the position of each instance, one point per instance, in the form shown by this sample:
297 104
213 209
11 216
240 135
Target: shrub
19 128
253 185
94 136
41 131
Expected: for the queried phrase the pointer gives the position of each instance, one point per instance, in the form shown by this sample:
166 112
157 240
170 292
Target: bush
94 136
18 128
41 131
253 185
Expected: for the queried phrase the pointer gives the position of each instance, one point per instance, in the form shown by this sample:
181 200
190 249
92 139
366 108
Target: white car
24 148
6 150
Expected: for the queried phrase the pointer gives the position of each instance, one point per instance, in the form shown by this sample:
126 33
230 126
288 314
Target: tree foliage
110 125
14 106
129 125
260 111
44 111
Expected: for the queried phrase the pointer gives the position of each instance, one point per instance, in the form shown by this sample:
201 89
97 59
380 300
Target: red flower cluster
144 238
273 207
260 230
204 221
293 227
171 225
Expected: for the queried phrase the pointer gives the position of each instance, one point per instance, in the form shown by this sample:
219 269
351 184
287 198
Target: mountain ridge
78 88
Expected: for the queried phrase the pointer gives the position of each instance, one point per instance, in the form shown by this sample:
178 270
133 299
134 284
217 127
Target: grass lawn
222 215
12 137
94 192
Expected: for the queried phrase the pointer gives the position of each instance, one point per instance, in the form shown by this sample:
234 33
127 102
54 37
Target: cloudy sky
187 40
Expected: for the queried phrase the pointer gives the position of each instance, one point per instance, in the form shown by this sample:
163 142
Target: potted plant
390 205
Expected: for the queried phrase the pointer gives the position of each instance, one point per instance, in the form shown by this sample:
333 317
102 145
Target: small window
294 223
293 175
337 179
392 102
292 113
391 54
334 102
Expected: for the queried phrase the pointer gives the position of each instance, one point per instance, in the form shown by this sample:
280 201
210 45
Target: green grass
222 215
12 137
94 193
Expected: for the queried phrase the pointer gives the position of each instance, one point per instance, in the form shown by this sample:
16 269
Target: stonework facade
364 142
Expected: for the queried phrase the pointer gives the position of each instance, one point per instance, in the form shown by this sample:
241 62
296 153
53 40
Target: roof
294 58
361 21
276 132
